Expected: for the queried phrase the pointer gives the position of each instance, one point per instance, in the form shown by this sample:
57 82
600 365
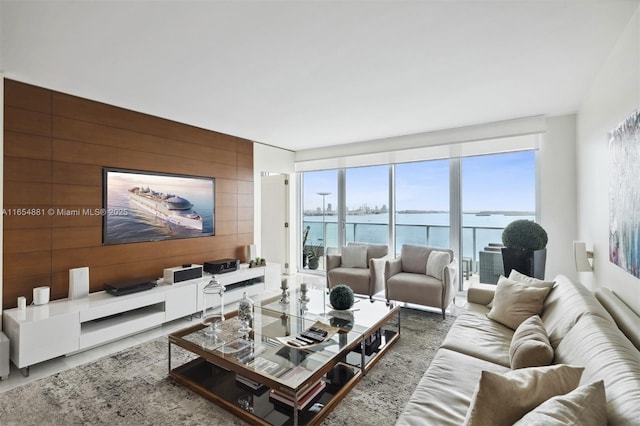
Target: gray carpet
132 387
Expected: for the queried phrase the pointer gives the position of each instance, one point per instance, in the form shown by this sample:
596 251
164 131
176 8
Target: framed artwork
624 195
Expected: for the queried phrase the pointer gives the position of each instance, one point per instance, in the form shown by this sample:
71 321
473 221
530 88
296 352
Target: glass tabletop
264 351
362 316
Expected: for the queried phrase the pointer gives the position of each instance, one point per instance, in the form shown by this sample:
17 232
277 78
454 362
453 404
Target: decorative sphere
341 297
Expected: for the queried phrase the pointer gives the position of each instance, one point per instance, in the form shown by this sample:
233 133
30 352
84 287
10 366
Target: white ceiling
306 74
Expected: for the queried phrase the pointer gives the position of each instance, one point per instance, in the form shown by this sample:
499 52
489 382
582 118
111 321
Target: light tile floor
56 365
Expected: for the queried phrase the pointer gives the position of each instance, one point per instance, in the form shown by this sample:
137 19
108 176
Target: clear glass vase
213 307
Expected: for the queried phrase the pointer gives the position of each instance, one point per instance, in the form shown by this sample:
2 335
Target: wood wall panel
26 121
56 146
38 170
27 97
95 112
24 145
26 240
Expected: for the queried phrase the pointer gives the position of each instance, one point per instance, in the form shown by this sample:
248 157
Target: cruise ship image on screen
168 207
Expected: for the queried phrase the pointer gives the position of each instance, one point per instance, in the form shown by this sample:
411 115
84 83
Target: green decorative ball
341 297
524 234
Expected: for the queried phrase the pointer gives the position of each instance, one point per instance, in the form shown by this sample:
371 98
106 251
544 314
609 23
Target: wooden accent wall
55 146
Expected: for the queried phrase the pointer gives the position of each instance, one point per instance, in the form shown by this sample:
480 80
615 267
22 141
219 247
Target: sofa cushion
567 302
599 346
530 345
436 401
502 399
478 336
415 288
587 405
354 256
515 302
436 262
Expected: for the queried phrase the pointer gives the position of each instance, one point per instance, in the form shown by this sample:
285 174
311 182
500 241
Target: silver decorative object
245 313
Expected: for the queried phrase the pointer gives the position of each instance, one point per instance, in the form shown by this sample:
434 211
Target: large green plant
525 235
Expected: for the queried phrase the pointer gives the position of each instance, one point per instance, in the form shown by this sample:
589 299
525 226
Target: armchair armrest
376 269
333 261
392 267
449 282
481 294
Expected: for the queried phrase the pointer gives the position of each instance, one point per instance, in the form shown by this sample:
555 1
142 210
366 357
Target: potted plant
305 251
314 256
524 249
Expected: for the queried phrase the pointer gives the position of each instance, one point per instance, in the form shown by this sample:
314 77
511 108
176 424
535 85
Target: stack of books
305 399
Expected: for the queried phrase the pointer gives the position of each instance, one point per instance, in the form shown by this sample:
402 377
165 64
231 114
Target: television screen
150 206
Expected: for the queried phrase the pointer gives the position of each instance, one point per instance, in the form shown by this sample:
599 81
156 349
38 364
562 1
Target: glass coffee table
264 379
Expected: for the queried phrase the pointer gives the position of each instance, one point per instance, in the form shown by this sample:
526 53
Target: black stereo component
127 287
221 266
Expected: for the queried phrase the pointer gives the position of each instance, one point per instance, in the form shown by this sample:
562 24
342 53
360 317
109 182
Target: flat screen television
151 206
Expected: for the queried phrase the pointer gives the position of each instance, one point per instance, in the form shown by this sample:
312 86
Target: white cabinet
41 332
65 326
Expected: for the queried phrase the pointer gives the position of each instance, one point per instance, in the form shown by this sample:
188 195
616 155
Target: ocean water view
432 229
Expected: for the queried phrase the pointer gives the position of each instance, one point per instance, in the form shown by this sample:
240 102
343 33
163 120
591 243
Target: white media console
64 326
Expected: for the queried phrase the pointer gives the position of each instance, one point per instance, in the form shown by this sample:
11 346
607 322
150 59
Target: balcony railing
474 238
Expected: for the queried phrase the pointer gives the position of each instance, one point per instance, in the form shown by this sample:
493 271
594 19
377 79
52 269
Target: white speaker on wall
252 253
78 283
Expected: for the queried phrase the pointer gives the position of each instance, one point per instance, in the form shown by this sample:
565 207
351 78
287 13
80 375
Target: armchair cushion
436 262
354 256
414 258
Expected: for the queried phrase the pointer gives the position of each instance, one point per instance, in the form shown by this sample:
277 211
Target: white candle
303 286
283 284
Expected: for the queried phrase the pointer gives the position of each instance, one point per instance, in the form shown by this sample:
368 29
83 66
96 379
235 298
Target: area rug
131 387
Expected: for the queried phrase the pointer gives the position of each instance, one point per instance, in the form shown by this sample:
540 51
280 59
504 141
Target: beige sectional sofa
581 332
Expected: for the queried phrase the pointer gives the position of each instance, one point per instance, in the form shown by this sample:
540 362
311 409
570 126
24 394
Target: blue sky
490 182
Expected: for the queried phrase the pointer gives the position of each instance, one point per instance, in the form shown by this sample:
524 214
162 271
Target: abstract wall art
624 194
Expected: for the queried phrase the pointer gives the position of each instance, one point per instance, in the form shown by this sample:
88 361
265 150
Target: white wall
557 193
274 160
614 94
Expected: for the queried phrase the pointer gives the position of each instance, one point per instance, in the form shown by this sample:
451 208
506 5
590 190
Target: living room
96 98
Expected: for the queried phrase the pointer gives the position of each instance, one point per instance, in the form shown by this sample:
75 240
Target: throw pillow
504 399
530 345
514 302
354 256
587 405
525 279
436 262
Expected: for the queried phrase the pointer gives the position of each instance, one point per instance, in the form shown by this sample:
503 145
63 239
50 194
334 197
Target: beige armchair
407 278
364 275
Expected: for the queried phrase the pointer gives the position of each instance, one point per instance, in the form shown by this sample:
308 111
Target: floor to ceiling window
496 190
367 199
413 203
422 203
319 224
